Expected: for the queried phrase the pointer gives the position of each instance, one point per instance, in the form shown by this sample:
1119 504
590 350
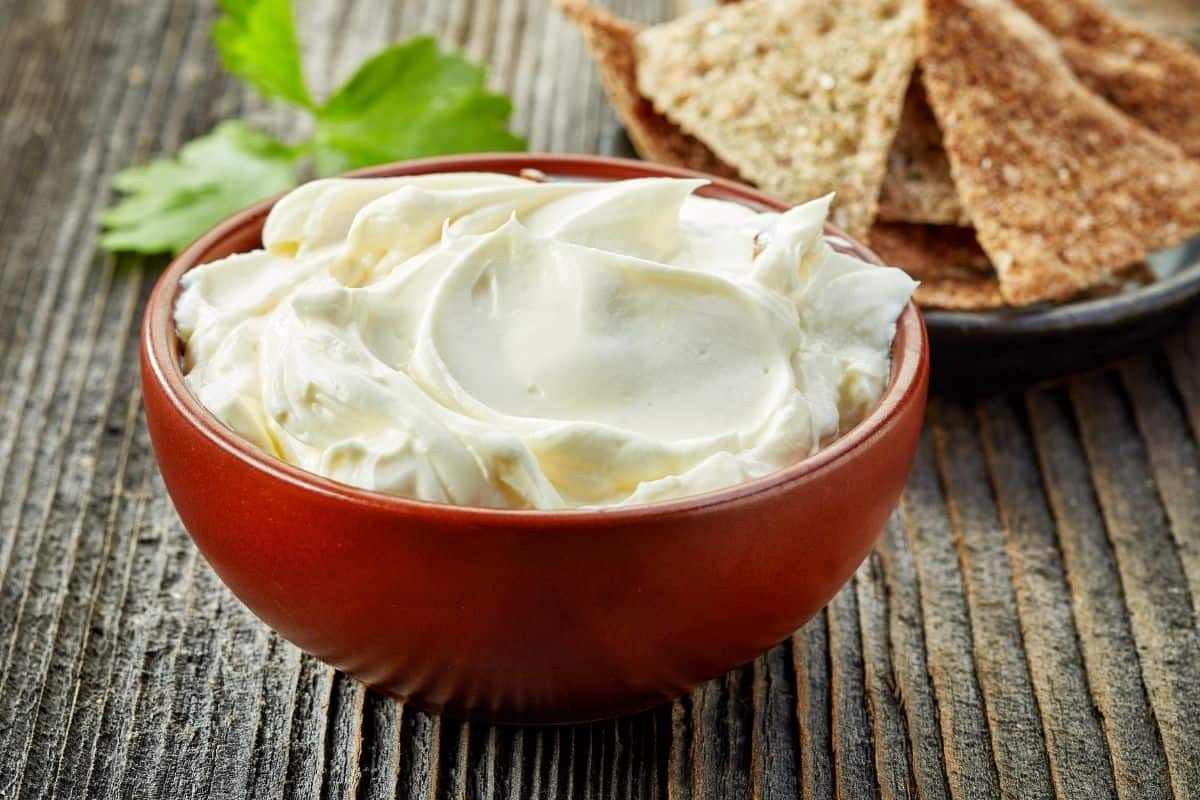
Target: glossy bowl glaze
525 616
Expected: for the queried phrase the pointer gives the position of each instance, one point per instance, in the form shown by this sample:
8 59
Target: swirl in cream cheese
485 340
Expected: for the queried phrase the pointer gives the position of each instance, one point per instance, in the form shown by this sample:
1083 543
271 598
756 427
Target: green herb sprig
407 101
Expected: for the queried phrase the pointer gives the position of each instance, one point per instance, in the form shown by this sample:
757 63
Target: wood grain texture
1026 628
1078 759
999 648
1160 609
971 765
1106 640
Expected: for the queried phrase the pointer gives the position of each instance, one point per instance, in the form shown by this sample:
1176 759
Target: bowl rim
910 357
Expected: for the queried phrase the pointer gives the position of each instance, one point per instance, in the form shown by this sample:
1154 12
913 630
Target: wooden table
1027 627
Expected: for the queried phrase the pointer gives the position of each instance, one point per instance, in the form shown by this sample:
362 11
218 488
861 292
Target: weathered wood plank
999 650
680 756
39 92
78 736
187 726
421 735
37 399
48 52
810 662
1105 639
1182 350
382 717
343 742
1164 625
1173 461
119 688
720 760
153 692
131 283
242 660
511 771
891 748
966 737
33 579
310 715
739 712
281 670
1075 743
37 429
455 742
52 622
774 756
915 693
853 756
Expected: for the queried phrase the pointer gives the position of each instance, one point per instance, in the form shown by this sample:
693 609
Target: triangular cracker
953 270
1062 187
800 96
961 291
955 273
1153 79
918 186
611 43
928 247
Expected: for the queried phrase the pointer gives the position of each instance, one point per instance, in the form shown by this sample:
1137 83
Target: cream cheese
485 340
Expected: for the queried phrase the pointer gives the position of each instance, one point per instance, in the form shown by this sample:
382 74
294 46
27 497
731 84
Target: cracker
1063 188
955 273
610 40
929 247
1151 78
1136 276
802 97
1154 80
953 269
969 291
918 186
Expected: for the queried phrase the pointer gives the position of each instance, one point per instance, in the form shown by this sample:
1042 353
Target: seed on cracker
1063 188
802 97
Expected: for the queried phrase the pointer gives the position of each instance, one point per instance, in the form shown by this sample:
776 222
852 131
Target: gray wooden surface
1027 627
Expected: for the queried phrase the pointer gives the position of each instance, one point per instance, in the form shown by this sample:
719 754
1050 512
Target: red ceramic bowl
525 616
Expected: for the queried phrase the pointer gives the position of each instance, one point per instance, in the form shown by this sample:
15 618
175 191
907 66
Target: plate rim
1164 295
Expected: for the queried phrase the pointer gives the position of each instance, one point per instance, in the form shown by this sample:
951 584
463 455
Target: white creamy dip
485 340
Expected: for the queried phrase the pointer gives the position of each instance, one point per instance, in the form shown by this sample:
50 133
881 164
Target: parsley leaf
257 42
410 101
169 202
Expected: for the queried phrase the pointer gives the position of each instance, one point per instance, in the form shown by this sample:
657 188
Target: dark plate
1005 347
977 349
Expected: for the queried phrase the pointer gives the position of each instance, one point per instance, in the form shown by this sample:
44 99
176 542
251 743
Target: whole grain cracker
610 40
918 186
955 273
802 97
1138 275
1153 79
929 247
1063 188
967 291
953 270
